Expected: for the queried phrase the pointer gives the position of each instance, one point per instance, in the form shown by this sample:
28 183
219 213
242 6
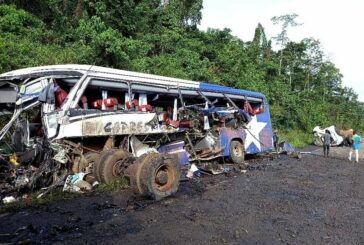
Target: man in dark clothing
275 140
326 141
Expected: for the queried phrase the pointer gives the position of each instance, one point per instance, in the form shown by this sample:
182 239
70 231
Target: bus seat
134 102
186 124
162 117
169 112
111 103
172 123
60 95
248 108
145 108
97 104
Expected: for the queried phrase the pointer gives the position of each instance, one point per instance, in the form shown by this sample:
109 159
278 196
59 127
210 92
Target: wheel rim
119 167
237 151
163 178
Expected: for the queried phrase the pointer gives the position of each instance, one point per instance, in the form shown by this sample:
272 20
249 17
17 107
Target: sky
337 24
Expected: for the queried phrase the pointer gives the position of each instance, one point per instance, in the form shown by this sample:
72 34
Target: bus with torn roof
109 123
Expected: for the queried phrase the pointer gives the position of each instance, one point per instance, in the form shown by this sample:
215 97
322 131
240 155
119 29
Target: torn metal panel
209 142
138 148
228 134
176 148
6 128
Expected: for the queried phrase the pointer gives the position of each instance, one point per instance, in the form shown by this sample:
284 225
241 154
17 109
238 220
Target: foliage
303 87
296 137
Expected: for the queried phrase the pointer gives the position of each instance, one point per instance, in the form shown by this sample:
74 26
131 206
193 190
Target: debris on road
193 171
76 184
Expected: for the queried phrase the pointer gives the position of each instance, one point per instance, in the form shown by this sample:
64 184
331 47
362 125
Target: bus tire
96 167
108 167
237 152
157 176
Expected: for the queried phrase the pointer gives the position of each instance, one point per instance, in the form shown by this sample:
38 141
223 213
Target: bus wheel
156 175
96 167
111 165
237 153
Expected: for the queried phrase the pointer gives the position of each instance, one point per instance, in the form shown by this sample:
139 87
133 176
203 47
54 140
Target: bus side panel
266 135
226 135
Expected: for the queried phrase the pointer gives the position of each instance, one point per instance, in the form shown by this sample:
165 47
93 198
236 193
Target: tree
282 38
303 87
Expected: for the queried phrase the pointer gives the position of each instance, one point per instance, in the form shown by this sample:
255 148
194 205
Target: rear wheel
111 165
96 168
237 152
156 175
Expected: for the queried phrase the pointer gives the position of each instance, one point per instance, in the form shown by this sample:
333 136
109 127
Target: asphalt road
278 200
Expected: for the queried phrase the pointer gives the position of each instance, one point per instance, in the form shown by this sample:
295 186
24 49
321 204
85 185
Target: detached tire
156 175
237 152
108 168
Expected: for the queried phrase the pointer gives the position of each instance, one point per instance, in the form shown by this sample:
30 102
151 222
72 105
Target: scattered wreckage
340 137
107 123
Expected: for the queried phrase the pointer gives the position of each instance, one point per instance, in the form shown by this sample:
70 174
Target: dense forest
303 87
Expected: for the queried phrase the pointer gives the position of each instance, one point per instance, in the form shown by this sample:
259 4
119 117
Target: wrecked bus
110 123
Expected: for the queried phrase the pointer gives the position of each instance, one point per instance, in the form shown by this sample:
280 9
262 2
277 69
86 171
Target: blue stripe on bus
31 94
223 89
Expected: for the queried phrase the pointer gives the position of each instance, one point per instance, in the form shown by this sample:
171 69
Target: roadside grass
52 197
296 137
58 195
118 184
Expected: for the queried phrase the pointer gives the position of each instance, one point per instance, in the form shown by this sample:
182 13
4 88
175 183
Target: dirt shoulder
313 200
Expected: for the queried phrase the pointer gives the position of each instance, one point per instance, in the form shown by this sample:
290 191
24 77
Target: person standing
327 142
275 140
355 146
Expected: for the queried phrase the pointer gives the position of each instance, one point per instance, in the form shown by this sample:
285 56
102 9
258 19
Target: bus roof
79 70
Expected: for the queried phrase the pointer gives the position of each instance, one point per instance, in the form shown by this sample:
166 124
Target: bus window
249 106
104 95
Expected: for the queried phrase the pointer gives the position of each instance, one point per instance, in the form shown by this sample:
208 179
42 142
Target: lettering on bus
97 127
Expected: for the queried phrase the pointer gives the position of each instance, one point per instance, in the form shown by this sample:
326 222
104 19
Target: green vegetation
297 138
118 184
303 87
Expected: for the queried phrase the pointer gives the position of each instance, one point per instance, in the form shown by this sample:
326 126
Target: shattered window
253 107
104 95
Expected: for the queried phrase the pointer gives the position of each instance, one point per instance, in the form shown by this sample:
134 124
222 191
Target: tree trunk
78 11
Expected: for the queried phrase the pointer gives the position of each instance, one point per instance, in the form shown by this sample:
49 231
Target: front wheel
237 152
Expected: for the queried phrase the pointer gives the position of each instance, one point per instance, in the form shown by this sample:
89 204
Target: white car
319 132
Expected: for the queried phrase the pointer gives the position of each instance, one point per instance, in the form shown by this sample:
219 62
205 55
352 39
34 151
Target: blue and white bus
133 124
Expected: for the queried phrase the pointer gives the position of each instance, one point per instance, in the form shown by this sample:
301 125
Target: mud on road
279 200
